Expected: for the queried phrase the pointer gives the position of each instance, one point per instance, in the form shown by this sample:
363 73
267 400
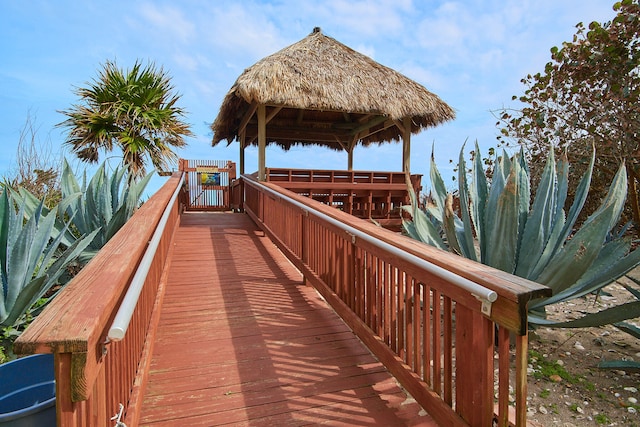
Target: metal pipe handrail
484 295
120 324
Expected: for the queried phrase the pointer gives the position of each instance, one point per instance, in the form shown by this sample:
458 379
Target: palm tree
134 111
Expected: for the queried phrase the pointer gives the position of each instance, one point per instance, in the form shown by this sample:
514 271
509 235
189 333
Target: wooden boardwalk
243 342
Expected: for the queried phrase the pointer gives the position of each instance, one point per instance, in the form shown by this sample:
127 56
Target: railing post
64 404
261 206
183 167
474 367
305 241
522 343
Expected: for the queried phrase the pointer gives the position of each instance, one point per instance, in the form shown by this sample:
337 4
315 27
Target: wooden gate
208 184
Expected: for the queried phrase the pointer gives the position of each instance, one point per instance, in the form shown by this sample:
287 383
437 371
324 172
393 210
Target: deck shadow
242 341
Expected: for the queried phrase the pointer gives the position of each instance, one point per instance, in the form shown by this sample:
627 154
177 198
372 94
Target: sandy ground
566 387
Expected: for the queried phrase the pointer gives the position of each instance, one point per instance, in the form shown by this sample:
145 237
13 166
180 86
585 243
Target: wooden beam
368 132
300 134
361 125
262 142
364 118
272 114
406 145
247 116
400 125
344 147
474 367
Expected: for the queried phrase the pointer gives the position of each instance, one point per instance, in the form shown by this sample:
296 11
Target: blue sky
472 53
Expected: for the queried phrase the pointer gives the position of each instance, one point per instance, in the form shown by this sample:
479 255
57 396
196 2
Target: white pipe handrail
484 295
121 322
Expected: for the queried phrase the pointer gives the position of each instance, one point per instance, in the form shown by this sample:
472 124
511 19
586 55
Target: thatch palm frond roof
323 92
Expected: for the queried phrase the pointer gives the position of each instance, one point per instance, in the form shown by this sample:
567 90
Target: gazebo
320 92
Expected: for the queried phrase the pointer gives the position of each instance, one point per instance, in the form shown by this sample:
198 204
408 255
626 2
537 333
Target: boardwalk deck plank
243 342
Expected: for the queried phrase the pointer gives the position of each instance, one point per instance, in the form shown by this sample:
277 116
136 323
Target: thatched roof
319 91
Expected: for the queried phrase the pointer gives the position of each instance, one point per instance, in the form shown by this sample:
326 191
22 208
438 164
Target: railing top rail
482 293
278 174
77 319
513 293
120 323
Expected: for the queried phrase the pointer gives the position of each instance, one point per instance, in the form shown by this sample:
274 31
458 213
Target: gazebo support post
406 145
262 142
351 147
242 138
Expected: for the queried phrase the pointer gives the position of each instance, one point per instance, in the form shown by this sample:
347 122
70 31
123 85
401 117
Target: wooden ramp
243 342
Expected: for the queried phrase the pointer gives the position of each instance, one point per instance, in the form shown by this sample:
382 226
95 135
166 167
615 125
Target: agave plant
103 204
106 203
32 256
499 226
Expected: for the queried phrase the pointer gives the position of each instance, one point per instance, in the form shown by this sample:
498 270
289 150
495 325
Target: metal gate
208 184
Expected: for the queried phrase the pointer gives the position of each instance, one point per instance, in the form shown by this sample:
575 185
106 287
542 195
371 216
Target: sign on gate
209 175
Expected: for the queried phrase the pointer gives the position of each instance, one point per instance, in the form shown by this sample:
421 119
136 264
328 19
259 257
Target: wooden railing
95 376
425 313
365 194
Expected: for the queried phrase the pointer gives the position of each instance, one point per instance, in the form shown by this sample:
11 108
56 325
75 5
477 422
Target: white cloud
186 61
169 19
366 17
444 29
368 50
241 30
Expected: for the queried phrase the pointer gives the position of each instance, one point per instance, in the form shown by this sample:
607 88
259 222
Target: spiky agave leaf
32 259
581 251
449 225
421 227
443 209
491 205
628 328
539 223
129 201
502 224
32 203
563 227
620 365
478 193
467 244
607 316
439 192
614 261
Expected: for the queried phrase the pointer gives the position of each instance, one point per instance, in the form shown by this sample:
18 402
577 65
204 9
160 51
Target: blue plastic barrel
28 392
